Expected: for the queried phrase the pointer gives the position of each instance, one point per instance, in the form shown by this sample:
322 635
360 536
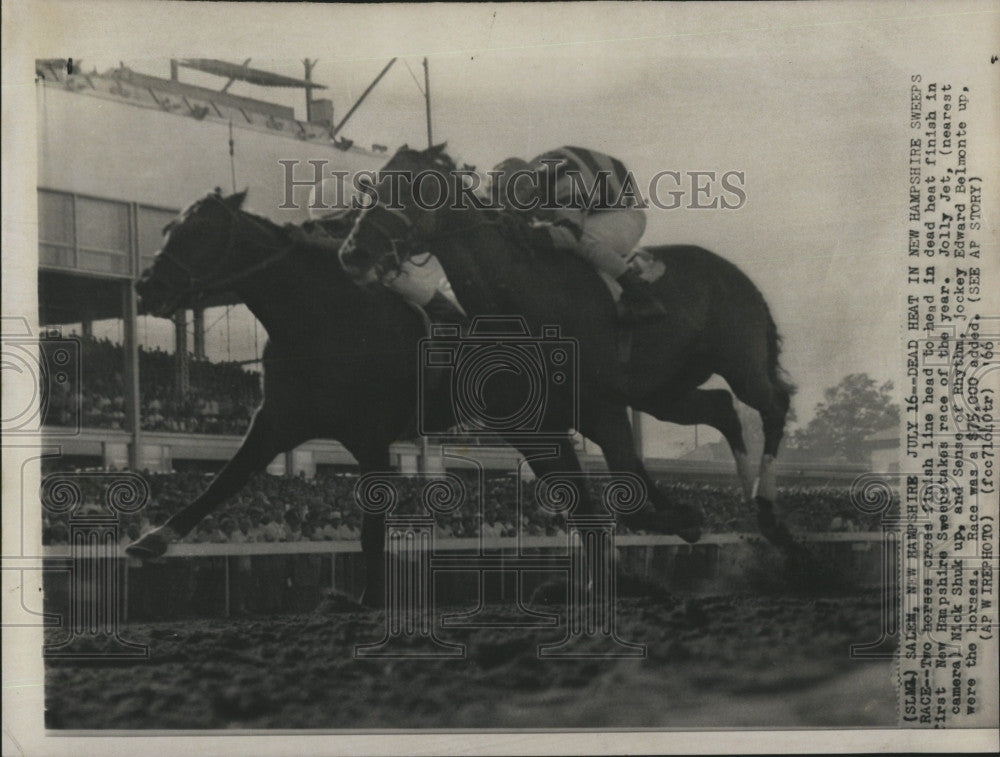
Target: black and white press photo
500 378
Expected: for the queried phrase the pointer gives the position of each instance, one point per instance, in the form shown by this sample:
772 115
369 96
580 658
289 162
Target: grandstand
283 542
291 509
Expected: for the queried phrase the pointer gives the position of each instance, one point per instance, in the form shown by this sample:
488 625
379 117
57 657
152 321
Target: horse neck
293 290
456 250
476 258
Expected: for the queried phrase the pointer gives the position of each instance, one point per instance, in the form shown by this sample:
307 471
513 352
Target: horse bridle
203 283
401 247
396 243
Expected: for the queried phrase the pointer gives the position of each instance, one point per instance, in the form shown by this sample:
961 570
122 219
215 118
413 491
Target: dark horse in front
342 360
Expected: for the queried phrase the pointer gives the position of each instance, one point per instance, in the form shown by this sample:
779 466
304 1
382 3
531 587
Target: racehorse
341 360
718 323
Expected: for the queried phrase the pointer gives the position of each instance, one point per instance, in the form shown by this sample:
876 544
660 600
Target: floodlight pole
309 64
361 99
427 100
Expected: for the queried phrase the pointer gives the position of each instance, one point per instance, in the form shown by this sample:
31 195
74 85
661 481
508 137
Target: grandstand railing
503 543
224 571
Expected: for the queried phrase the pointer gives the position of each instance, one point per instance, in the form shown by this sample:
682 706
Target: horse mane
327 263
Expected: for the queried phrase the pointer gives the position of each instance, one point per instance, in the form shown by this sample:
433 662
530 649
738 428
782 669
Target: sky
808 100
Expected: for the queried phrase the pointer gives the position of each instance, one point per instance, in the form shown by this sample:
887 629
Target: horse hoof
685 522
770 527
690 535
152 545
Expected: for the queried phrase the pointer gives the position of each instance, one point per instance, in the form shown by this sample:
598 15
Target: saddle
514 228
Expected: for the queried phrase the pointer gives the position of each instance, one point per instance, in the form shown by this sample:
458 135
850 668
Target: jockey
587 213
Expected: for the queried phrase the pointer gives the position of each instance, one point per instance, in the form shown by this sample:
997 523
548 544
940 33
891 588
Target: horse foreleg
261 444
563 461
608 426
708 407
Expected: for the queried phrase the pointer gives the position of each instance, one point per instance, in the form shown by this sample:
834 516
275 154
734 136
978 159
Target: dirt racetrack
712 661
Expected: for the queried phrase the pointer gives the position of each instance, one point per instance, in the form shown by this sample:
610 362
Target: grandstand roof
245 73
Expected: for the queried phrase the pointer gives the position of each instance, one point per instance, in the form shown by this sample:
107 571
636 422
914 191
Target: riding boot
441 310
638 299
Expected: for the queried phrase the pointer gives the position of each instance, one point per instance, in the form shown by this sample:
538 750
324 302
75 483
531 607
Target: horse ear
437 149
235 201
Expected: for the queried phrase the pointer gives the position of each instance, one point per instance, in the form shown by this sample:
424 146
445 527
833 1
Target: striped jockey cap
510 165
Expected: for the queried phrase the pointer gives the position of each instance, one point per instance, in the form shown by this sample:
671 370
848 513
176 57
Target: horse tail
775 372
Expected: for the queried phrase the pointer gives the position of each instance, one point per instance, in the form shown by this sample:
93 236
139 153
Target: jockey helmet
509 165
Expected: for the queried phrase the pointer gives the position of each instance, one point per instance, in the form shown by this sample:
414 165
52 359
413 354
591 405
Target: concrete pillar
182 367
408 460
303 461
155 458
116 455
430 457
130 373
278 466
198 316
637 433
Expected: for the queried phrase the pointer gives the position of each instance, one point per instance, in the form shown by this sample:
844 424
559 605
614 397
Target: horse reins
408 240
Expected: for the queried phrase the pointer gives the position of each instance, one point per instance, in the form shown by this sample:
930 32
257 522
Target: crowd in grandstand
220 400
283 509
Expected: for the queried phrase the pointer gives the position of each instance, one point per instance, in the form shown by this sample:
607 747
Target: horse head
203 253
405 207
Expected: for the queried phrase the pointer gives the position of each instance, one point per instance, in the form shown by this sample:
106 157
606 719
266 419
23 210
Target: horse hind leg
708 407
608 426
771 398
